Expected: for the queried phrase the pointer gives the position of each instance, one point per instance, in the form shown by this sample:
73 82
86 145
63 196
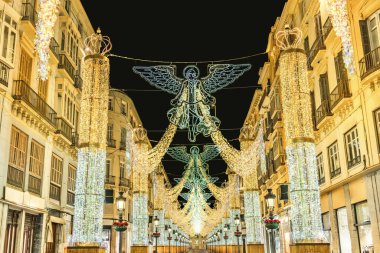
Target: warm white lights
47 16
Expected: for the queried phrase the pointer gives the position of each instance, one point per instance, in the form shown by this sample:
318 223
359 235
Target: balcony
335 172
34 184
54 47
316 50
29 13
327 28
64 63
321 180
322 111
109 179
279 161
277 118
70 198
78 82
4 74
123 145
354 161
64 128
22 91
74 139
55 192
369 63
15 177
111 143
340 92
125 182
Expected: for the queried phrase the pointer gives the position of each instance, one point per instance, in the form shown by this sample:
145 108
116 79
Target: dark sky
185 31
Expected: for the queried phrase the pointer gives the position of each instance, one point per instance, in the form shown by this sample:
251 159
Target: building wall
352 190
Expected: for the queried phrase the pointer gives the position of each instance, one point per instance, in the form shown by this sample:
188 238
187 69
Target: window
352 147
363 224
36 166
334 160
56 177
109 132
108 168
377 123
373 24
123 137
327 226
123 108
25 67
321 172
108 199
110 104
9 39
43 88
343 230
71 185
17 158
122 169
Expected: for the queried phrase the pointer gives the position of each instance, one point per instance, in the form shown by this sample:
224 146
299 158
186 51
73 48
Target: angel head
191 72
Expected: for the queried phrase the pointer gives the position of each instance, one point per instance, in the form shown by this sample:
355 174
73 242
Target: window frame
338 169
321 169
110 104
11 30
376 16
376 121
355 160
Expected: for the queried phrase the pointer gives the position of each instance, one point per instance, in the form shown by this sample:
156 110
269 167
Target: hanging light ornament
338 12
89 190
47 16
300 149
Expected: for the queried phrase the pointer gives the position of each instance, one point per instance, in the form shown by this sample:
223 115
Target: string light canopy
47 16
198 92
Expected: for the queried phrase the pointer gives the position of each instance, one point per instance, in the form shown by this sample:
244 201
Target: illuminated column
252 214
89 190
159 187
140 219
305 213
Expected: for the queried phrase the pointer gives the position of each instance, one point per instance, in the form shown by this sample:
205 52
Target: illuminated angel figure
198 90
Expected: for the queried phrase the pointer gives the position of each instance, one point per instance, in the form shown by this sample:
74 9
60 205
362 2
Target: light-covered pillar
305 213
89 190
140 219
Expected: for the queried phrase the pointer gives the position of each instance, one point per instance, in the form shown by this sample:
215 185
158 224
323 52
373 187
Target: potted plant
272 223
120 225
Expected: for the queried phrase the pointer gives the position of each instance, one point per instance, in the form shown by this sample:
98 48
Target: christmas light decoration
140 219
300 150
252 217
220 76
341 23
47 16
89 190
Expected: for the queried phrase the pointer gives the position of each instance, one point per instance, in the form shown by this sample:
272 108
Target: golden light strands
89 190
47 16
304 189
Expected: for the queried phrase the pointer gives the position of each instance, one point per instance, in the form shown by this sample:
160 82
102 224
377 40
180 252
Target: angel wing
209 153
162 77
222 75
179 153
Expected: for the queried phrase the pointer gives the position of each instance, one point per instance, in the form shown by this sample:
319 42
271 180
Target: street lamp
120 206
176 241
169 237
156 234
269 198
237 232
243 235
225 229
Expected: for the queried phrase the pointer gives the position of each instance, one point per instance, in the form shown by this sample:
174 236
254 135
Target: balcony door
26 63
318 26
324 92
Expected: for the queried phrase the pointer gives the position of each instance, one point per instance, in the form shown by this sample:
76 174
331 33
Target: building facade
346 122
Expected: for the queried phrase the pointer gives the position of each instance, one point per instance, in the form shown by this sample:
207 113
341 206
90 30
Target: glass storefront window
363 224
326 226
343 229
106 238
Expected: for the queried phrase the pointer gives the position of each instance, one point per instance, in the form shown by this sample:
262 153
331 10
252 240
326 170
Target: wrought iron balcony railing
369 63
64 128
15 177
111 143
327 27
70 198
4 74
335 172
354 161
64 63
22 91
29 13
74 139
109 179
321 180
339 92
123 145
322 111
78 82
54 47
318 45
125 182
55 192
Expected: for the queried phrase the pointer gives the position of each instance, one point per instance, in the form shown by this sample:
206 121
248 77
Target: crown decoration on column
97 44
247 132
288 38
139 134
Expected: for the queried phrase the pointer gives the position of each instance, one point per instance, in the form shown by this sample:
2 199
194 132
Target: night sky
185 31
